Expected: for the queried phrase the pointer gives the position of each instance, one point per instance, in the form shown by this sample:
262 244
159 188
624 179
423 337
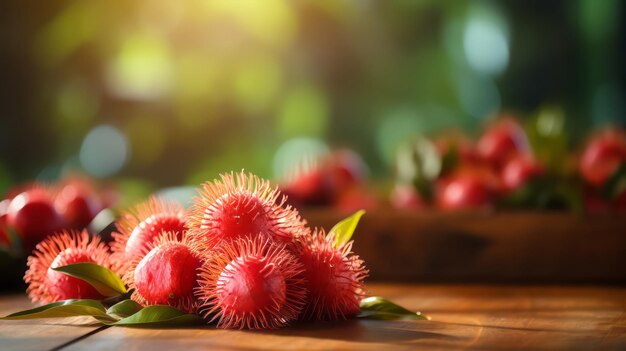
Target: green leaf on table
377 307
344 230
159 315
102 279
124 309
66 308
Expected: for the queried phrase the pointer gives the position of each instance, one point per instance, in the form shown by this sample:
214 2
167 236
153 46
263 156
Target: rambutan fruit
251 283
334 278
503 139
78 203
167 275
139 227
46 285
241 205
33 216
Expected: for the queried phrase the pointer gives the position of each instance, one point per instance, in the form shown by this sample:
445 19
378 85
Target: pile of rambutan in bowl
239 257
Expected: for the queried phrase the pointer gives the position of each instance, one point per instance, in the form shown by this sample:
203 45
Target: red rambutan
251 283
78 203
242 205
334 278
33 216
139 227
167 275
46 285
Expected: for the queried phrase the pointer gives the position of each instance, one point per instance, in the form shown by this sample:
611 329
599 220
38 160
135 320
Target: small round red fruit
46 285
139 227
519 170
33 216
464 191
253 284
501 141
77 204
167 275
602 156
334 278
241 205
312 187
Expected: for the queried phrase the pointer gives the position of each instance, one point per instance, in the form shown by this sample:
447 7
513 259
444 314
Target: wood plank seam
82 337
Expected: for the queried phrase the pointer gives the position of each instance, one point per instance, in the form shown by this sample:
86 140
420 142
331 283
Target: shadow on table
367 331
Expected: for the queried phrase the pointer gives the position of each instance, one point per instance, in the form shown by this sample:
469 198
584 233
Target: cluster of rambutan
35 210
239 256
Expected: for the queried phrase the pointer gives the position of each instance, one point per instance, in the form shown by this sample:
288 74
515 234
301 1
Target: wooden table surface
463 316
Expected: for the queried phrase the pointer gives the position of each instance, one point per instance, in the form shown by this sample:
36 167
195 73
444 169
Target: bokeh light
141 68
303 112
104 151
199 87
486 46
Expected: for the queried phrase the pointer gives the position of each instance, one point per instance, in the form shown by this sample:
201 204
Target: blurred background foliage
176 92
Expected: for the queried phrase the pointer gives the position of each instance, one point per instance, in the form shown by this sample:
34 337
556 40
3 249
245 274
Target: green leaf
102 279
344 230
124 309
66 308
159 315
376 307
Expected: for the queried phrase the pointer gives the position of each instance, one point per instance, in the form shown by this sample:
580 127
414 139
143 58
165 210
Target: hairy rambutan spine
139 227
334 277
251 283
241 205
167 274
67 247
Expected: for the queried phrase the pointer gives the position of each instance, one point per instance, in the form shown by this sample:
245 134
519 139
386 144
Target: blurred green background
176 92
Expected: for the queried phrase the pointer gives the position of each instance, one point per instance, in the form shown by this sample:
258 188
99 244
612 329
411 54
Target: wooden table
463 316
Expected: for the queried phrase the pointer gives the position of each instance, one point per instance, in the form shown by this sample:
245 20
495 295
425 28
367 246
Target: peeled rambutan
167 275
242 205
46 285
139 227
334 278
251 283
